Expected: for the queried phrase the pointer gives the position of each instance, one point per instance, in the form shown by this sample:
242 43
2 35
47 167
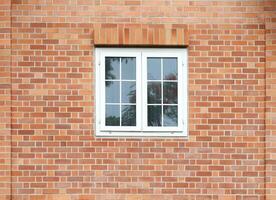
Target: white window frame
141 129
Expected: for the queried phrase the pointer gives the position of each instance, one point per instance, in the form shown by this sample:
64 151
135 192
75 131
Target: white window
141 92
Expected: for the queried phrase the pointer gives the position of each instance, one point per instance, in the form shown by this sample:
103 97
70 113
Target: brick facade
270 23
47 142
5 99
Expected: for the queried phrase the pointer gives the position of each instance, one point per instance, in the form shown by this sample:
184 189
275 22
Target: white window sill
139 134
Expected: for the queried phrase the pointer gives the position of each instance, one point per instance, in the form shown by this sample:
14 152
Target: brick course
140 35
47 102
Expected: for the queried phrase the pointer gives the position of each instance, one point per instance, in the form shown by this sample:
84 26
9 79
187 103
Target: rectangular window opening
141 92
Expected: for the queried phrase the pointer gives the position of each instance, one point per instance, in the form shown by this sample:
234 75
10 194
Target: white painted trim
141 129
140 134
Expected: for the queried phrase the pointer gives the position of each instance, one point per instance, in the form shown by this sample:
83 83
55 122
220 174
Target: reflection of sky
112 90
169 68
170 116
128 72
112 110
128 69
169 121
128 92
154 68
113 70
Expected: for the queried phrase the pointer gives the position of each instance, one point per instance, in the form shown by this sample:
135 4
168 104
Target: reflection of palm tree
129 115
112 121
109 69
132 94
154 92
154 97
170 92
129 112
154 116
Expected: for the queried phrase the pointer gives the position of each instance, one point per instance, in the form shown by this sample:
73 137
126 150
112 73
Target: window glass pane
112 68
112 91
154 68
154 116
170 69
154 92
170 92
128 68
128 92
170 116
128 115
112 115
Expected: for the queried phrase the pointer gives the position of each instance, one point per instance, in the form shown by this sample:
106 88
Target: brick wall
5 96
54 152
270 22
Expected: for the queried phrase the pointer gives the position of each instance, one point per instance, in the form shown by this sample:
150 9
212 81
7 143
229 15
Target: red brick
47 101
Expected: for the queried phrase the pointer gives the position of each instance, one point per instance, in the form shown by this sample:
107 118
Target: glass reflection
112 115
154 68
112 92
169 69
128 68
154 92
128 115
170 93
128 92
170 116
112 68
154 116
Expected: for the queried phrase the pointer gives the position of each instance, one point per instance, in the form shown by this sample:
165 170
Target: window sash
163 54
118 53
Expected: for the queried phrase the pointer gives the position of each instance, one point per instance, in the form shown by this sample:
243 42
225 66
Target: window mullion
143 108
161 77
120 88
